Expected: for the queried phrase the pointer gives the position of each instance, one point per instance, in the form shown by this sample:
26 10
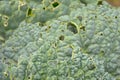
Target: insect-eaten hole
80 18
4 58
48 28
82 28
99 3
102 51
29 12
40 35
29 78
5 24
116 17
5 74
61 38
95 16
55 44
72 27
55 4
101 33
62 30
43 8
91 67
5 18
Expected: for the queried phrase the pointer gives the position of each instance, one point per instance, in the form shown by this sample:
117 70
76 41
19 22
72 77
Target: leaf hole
82 28
99 3
43 8
55 4
72 27
80 18
61 38
116 17
29 12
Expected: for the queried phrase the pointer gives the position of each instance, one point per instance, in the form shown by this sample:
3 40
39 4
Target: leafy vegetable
61 40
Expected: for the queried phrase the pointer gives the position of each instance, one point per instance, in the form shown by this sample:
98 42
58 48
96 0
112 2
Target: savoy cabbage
59 40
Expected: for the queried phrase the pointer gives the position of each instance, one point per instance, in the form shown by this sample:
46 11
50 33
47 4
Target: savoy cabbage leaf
81 45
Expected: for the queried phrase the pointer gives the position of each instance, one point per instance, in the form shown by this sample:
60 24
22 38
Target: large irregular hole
72 27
